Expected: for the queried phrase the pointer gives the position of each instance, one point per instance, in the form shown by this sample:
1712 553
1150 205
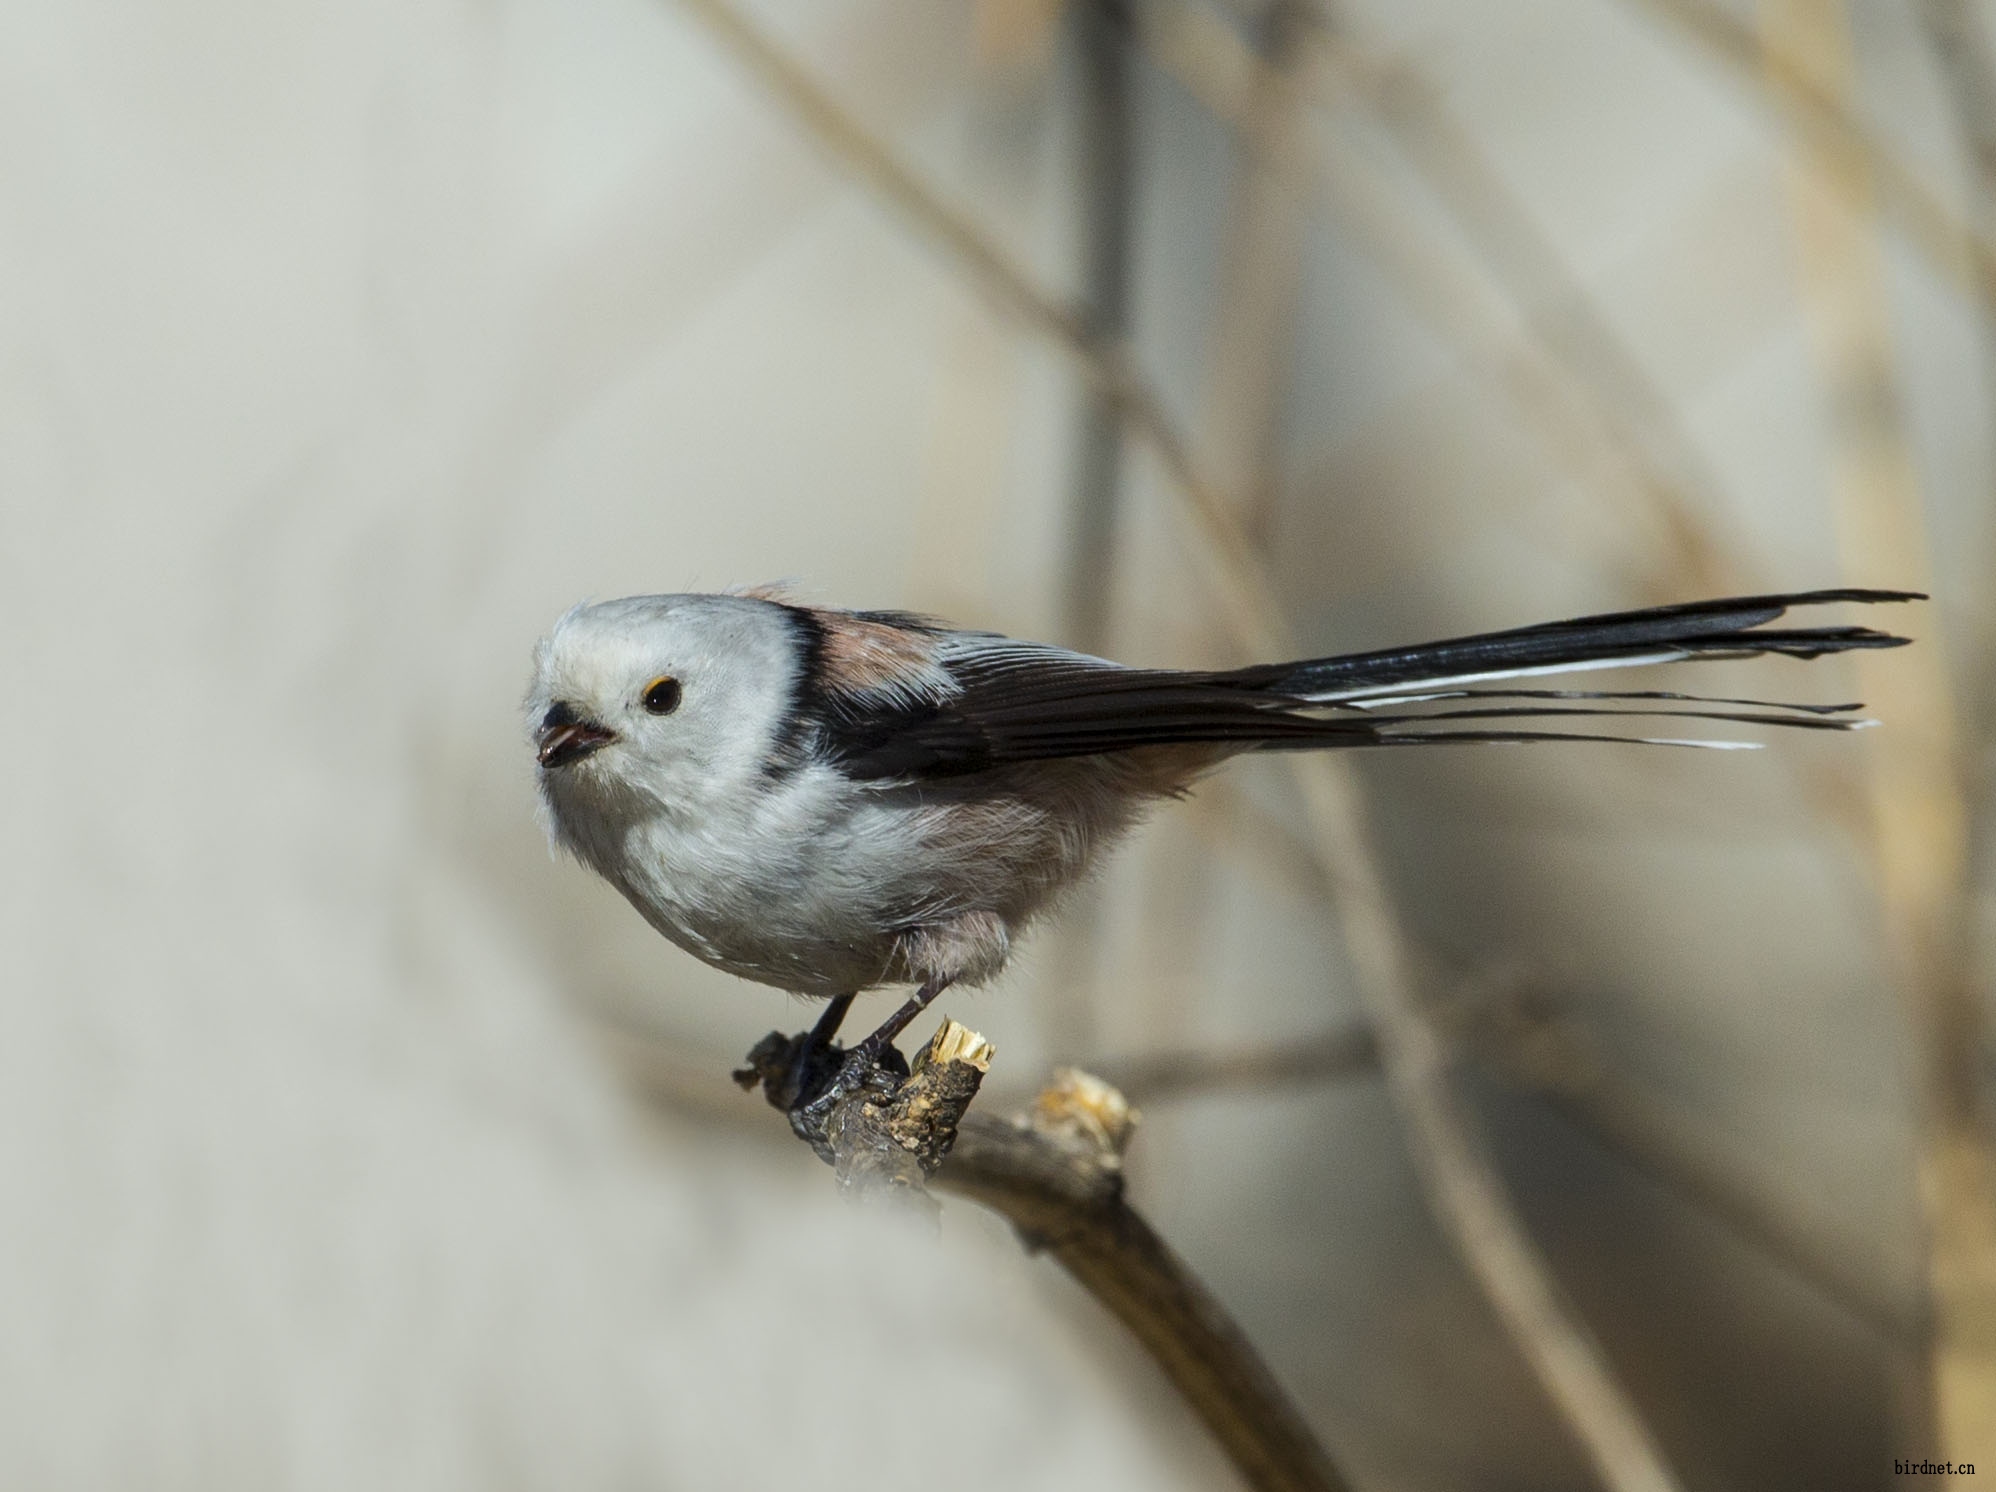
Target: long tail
1432 693
1013 702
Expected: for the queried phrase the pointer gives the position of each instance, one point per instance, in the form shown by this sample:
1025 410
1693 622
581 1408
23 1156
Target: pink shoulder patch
861 655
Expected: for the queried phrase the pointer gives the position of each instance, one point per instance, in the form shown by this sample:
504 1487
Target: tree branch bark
1055 1172
1067 1202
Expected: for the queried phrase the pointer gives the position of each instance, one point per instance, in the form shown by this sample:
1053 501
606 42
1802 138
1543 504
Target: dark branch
1055 1172
1061 1185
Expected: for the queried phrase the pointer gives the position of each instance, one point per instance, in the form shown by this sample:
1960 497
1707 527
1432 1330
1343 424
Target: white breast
800 885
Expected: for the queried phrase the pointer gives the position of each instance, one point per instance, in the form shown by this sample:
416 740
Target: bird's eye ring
661 696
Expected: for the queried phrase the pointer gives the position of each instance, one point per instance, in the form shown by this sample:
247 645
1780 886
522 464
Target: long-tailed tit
827 801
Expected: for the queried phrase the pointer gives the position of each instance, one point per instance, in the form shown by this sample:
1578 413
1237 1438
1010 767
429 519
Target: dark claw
878 1067
806 1079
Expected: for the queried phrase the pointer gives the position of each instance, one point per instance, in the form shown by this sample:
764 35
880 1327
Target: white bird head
673 698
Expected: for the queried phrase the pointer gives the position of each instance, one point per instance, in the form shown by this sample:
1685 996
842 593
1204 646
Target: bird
831 801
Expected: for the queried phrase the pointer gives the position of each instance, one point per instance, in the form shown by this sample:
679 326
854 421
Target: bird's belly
774 917
823 960
815 890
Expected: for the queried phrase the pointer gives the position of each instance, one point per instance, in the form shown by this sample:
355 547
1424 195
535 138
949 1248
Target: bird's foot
865 1114
873 1067
792 1069
808 1079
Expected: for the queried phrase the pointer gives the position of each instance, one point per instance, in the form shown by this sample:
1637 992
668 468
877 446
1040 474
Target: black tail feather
1732 628
1371 705
1533 737
1386 724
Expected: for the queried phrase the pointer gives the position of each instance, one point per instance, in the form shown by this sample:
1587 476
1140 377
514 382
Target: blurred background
349 1139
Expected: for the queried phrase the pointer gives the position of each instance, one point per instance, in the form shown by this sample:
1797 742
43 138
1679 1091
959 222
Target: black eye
662 695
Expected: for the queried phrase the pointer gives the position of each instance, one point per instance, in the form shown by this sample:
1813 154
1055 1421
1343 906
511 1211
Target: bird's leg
862 1063
876 1044
829 1023
809 1052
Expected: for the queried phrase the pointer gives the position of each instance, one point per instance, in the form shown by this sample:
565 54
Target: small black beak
566 737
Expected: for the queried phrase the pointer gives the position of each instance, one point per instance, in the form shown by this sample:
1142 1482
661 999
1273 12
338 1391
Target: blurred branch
858 152
1103 180
1460 1180
1835 141
1104 171
1961 49
1538 1050
1654 1139
1918 809
1249 346
1254 322
1159 1077
1962 52
1462 1187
